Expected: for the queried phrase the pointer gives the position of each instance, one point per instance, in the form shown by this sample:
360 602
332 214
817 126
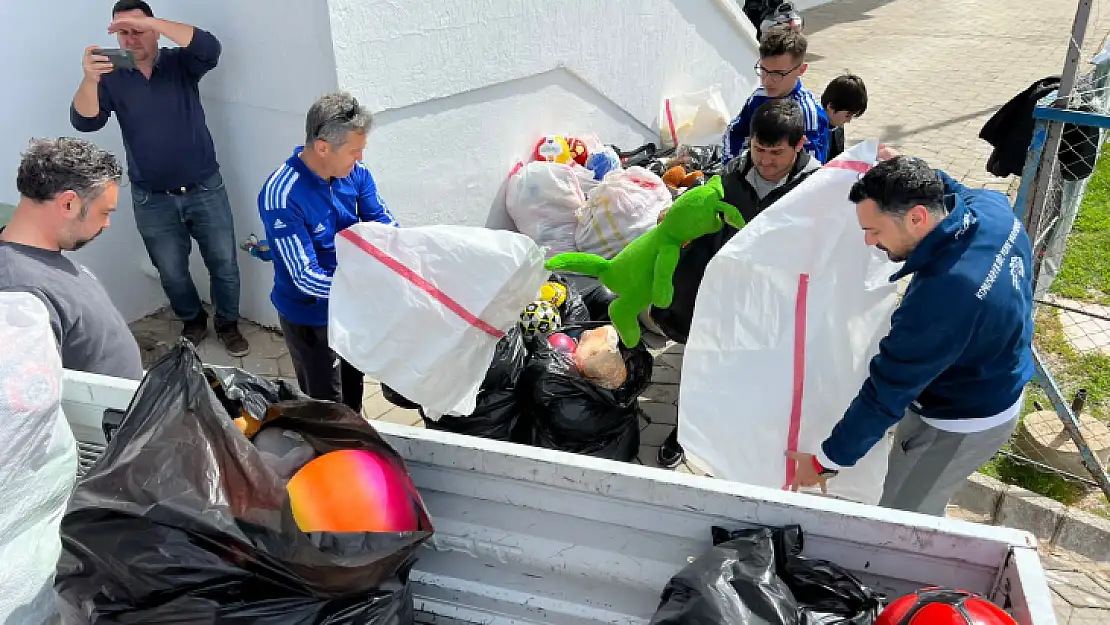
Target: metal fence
1063 442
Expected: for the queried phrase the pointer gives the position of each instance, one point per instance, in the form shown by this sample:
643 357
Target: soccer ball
943 606
540 317
553 292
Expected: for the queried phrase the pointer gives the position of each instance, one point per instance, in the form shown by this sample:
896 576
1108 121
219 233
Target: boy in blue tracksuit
952 370
323 188
782 61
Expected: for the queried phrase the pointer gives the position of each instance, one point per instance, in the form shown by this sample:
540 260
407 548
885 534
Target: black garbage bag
239 391
497 412
570 413
180 521
733 584
574 309
828 593
398 399
594 295
707 159
730 584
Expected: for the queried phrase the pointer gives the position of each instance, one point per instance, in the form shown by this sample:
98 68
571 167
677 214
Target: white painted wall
460 90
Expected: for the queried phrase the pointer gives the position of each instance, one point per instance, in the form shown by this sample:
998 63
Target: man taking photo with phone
176 189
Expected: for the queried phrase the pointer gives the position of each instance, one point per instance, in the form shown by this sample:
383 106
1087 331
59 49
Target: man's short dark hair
778 120
783 39
50 167
899 184
846 93
132 5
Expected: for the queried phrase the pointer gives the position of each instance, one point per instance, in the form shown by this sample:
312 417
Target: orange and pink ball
354 491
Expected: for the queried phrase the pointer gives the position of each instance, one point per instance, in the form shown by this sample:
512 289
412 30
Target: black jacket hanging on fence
1010 131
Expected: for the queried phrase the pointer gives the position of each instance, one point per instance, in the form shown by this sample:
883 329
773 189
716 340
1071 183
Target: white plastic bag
38 460
421 309
544 198
625 205
787 319
698 118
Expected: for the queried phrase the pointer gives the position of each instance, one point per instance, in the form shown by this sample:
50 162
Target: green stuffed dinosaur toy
642 274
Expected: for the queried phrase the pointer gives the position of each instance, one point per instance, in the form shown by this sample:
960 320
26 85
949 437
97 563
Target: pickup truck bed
526 535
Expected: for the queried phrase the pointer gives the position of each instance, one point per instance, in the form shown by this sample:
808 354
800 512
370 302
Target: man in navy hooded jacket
952 370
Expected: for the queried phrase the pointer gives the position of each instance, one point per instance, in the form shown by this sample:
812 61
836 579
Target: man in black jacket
775 164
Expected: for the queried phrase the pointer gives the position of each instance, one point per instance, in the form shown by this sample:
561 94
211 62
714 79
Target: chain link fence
1062 445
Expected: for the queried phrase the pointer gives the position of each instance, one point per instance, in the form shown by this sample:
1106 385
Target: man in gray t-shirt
68 189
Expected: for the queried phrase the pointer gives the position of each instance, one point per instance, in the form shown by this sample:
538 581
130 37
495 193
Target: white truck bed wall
527 535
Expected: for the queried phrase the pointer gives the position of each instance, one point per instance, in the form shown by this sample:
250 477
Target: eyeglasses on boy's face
775 74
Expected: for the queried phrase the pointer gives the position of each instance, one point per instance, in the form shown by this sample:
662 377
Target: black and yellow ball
540 317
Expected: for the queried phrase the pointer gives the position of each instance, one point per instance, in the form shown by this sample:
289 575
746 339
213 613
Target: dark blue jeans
168 223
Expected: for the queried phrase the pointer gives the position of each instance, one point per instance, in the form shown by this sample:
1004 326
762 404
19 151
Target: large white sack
624 206
544 199
421 309
787 319
38 461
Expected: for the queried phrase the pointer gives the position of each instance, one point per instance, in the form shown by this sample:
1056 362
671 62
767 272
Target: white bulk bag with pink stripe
787 319
421 309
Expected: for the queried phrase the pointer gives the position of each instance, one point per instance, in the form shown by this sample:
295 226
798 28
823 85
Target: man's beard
80 243
894 258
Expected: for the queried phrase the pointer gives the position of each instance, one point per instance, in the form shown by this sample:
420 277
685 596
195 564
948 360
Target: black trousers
321 373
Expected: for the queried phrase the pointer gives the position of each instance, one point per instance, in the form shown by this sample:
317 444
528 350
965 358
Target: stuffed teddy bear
642 273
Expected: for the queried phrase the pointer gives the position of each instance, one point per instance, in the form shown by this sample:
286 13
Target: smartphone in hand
121 59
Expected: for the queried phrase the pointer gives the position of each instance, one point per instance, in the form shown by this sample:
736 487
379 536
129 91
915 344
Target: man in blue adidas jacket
323 188
952 370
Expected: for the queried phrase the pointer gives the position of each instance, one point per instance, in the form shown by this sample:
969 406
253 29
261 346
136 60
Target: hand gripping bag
787 319
422 309
38 461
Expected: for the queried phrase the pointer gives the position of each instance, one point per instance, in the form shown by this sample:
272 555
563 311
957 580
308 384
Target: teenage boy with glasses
782 61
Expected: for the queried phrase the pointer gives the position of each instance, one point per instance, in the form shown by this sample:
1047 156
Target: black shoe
196 330
233 340
671 454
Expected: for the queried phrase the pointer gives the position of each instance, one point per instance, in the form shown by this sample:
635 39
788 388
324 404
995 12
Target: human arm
199 49
817 136
291 242
928 332
371 207
736 135
91 106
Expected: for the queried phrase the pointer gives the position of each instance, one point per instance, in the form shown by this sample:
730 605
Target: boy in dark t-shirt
844 99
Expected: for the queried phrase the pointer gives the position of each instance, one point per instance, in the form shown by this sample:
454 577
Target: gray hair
51 167
333 117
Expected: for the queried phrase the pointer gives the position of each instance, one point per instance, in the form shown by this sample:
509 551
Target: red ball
562 343
943 606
